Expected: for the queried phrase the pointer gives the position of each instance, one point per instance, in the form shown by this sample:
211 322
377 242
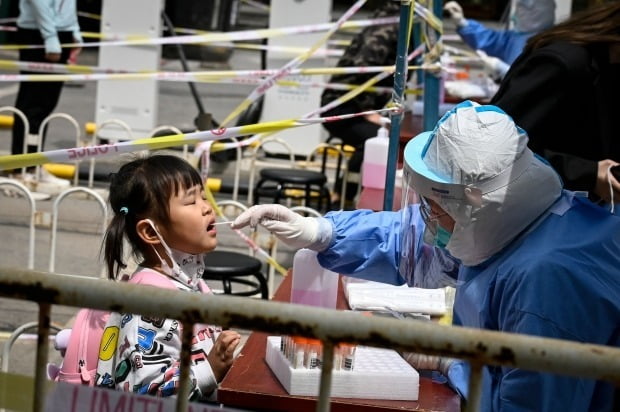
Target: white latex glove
428 362
496 68
289 227
455 11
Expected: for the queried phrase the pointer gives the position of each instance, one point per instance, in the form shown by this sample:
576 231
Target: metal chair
234 267
331 160
285 181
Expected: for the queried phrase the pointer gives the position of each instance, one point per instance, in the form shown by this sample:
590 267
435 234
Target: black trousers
354 132
36 100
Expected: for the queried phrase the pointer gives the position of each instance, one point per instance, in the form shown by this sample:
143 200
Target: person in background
498 49
160 210
373 46
526 256
45 23
564 90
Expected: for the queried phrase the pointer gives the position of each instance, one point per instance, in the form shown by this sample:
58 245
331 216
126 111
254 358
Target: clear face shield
430 233
421 230
408 232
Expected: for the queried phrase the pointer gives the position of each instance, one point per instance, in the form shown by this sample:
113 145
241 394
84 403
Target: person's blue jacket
506 45
559 279
366 245
50 17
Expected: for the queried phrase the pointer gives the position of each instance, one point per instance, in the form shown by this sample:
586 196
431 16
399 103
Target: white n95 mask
187 268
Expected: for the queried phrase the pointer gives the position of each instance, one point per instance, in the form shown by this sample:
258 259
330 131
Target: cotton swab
228 222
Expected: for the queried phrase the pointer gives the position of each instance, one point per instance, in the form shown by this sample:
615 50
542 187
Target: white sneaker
46 183
47 177
28 181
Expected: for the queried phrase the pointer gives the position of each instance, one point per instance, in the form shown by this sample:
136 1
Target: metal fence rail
477 346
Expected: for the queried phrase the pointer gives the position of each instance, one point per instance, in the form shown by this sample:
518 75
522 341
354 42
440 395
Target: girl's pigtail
113 244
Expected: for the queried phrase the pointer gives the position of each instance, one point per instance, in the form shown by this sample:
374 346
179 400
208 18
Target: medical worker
527 256
564 91
527 17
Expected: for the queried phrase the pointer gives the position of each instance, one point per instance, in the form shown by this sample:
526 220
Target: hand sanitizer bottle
374 165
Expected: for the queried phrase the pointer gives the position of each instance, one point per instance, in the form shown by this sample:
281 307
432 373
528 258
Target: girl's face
191 227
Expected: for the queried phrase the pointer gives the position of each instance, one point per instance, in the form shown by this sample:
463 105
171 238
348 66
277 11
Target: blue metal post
431 86
400 77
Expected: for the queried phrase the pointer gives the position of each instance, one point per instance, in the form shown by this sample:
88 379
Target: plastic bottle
374 165
313 285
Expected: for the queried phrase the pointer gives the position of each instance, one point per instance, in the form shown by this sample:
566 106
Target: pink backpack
79 364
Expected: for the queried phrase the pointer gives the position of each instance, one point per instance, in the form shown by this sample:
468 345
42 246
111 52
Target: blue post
400 77
431 86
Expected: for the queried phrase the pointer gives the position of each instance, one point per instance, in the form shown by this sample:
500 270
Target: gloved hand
495 67
455 13
289 227
428 362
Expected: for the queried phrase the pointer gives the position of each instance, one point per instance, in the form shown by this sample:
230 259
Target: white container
313 285
378 374
374 165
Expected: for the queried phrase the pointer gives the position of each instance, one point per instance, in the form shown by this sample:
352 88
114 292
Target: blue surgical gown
559 279
506 45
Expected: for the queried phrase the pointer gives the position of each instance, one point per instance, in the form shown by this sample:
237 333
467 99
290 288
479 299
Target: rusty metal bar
477 346
42 351
325 387
186 352
474 391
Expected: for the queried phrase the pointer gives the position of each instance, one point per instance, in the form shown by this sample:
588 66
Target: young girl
159 208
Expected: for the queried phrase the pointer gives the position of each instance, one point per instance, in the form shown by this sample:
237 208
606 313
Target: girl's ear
146 232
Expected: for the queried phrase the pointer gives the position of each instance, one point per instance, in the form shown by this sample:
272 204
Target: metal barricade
155 133
480 347
54 229
96 139
24 119
28 195
78 136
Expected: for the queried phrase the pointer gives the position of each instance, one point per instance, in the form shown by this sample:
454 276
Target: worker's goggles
430 219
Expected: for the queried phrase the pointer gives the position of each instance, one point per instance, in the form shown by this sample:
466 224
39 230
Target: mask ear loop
611 189
166 248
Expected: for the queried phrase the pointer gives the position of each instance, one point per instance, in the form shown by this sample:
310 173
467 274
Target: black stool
280 183
232 267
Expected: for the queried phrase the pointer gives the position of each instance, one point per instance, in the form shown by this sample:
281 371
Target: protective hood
476 165
532 16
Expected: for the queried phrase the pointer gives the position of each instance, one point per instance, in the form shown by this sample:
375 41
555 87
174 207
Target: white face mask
186 267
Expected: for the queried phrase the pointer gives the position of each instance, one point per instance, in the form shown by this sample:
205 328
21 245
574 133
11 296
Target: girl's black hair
142 189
